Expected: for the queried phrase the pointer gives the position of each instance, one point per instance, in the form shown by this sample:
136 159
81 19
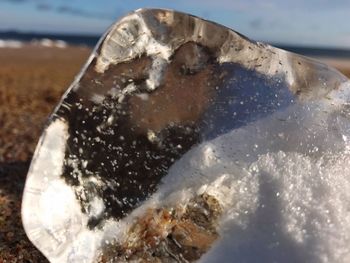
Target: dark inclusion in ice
130 143
158 84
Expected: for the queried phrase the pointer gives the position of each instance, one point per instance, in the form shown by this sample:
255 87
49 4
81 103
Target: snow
7 43
284 185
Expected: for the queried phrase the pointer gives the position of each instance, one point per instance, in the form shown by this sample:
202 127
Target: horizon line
282 45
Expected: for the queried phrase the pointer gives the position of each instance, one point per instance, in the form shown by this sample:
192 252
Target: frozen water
183 141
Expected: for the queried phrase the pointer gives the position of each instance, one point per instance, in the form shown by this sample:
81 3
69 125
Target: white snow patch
7 43
46 42
285 201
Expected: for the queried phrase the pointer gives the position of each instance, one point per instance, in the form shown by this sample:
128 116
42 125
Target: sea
16 39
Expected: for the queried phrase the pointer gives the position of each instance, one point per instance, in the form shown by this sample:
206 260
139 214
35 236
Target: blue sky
301 22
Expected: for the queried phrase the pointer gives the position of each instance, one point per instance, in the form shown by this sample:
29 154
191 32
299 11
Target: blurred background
314 23
43 44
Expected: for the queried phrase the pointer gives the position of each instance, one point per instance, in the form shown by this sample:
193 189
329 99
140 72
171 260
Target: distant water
82 40
91 40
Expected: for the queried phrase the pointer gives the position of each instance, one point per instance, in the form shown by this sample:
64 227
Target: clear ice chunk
182 140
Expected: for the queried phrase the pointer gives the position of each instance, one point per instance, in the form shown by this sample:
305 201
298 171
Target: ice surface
184 141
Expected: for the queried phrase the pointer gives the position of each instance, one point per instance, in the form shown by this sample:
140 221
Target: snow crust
283 181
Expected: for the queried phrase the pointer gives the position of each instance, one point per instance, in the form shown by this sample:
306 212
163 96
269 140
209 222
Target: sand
32 79
343 65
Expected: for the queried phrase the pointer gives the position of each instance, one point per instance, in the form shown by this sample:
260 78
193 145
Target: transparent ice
183 141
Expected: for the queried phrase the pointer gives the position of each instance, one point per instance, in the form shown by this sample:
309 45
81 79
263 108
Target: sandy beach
32 80
343 65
